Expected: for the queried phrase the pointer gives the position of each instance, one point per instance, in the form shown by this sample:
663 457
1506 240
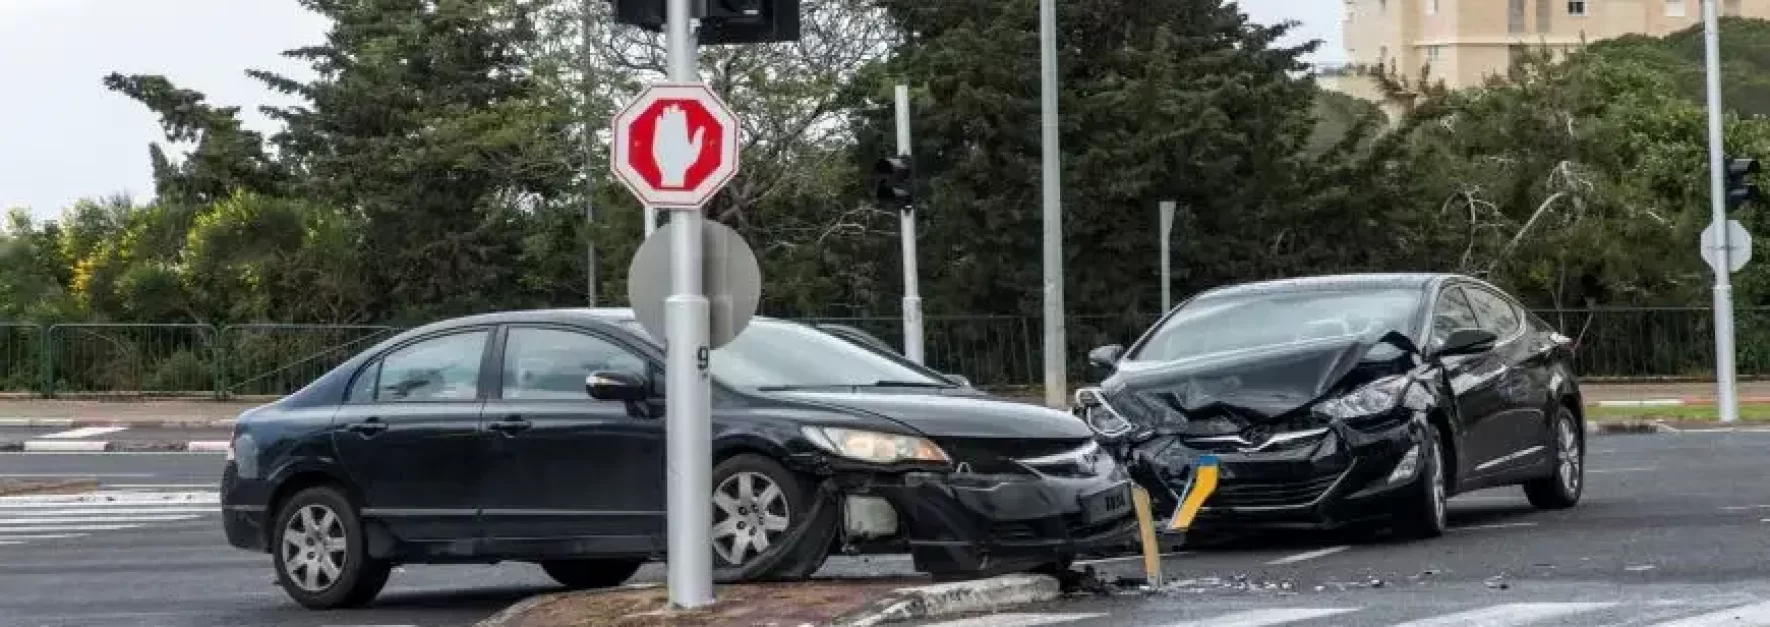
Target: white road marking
9 523
1303 557
1754 615
40 536
8 543
55 528
1509 525
1262 618
82 432
164 486
1595 471
125 510
1741 508
1127 558
1508 614
1015 620
207 446
64 446
84 475
107 498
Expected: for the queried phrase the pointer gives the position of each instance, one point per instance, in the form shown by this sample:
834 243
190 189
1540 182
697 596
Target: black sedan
1348 399
538 436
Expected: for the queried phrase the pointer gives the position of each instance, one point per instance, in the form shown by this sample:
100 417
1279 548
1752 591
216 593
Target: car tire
1567 480
794 549
1428 514
320 553
589 574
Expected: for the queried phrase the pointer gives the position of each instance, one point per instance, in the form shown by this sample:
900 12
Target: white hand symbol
671 147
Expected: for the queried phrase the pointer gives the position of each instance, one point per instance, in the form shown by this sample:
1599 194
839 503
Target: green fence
255 360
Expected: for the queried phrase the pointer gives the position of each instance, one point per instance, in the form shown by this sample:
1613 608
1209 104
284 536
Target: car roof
1336 282
611 315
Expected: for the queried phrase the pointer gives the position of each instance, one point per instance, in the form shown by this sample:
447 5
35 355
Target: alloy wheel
1567 449
314 547
750 513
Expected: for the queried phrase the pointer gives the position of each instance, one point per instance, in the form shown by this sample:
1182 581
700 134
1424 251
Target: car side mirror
617 386
1104 359
1467 342
958 379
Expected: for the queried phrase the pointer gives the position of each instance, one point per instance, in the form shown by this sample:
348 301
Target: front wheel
322 560
766 524
1562 488
1428 516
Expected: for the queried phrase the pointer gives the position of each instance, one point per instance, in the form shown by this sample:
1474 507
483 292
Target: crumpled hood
1258 385
954 416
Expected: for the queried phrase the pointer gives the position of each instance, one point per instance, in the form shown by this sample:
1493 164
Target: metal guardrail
199 360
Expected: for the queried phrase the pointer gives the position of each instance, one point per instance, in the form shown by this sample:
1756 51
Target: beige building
1460 42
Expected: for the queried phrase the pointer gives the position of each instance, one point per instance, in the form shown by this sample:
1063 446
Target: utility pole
1167 233
587 21
1724 352
1056 372
912 296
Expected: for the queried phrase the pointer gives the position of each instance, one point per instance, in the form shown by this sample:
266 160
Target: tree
227 156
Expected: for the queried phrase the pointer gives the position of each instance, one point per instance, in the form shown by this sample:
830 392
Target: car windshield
772 354
1211 325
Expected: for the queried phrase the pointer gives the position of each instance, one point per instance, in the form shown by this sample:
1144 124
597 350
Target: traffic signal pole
912 295
1056 372
1726 393
688 403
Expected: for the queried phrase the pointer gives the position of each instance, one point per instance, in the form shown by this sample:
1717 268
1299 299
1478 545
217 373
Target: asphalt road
1672 526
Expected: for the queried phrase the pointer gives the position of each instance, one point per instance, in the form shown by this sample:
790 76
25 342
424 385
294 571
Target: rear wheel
1428 517
322 560
766 526
591 573
1562 488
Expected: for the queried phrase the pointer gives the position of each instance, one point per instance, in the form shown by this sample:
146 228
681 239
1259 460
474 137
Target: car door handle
369 426
510 425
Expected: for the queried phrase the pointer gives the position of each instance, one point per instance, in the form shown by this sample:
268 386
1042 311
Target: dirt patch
742 605
13 487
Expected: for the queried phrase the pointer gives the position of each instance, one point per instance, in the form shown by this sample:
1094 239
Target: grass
1753 412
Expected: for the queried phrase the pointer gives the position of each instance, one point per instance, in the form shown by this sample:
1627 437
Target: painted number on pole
702 358
676 145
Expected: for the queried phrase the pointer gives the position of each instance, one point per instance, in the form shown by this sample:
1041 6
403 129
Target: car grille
1271 494
996 455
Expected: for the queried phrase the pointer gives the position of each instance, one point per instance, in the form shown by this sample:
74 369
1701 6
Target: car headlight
875 447
1375 398
1100 416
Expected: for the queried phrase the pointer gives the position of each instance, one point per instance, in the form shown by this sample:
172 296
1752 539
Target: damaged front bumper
981 524
1339 476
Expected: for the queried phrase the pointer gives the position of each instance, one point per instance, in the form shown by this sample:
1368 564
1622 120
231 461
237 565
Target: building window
1431 7
1730 8
1434 53
1515 16
1545 15
1576 7
1383 6
1674 8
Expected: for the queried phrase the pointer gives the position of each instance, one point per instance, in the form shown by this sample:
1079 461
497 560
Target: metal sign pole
687 425
1167 231
1724 374
912 296
1056 373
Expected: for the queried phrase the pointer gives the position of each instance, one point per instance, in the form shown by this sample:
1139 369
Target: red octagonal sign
675 145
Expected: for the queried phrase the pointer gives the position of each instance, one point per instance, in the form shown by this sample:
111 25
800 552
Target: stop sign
675 145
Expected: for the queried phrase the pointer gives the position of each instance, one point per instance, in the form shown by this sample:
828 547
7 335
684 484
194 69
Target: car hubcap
313 548
750 512
1567 447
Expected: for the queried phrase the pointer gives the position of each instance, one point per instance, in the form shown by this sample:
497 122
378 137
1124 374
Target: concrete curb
948 599
96 446
1629 427
47 486
510 614
75 423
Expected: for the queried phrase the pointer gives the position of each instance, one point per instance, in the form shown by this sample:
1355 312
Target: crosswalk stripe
82 432
107 498
1507 614
8 523
1301 557
76 511
163 486
1753 615
1262 618
41 536
1015 620
54 528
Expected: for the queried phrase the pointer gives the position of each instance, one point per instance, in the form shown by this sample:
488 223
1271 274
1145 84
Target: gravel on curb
14 487
949 599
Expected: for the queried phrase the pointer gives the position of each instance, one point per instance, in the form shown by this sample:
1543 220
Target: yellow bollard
1152 554
1199 488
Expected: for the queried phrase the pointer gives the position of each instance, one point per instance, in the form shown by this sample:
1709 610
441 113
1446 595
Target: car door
569 465
1523 382
1473 382
408 435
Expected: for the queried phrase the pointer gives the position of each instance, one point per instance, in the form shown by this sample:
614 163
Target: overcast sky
65 137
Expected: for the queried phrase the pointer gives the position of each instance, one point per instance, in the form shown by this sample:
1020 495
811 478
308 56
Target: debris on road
1497 582
63 485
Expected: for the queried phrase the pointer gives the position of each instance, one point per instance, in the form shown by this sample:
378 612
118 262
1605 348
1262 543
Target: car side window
438 369
551 364
1494 312
362 390
1452 313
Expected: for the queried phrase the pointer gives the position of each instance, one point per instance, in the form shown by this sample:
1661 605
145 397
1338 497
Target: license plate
1108 504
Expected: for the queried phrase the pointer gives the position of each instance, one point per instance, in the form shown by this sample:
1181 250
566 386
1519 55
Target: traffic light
723 22
893 182
1740 189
